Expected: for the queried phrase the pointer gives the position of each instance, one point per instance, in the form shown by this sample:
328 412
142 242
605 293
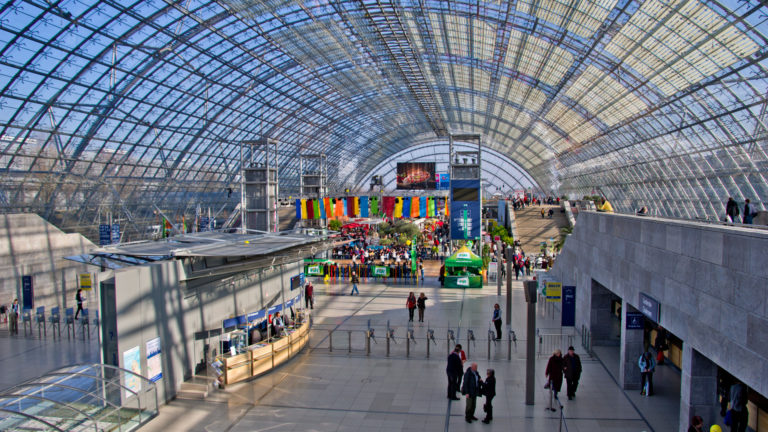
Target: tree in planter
334 225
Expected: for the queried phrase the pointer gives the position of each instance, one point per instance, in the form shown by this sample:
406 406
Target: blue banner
407 207
115 233
364 207
105 234
502 216
569 306
445 182
27 292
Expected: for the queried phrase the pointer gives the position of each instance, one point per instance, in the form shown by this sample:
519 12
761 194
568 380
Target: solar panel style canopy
120 106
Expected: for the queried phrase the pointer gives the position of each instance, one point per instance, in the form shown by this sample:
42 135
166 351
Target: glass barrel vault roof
116 106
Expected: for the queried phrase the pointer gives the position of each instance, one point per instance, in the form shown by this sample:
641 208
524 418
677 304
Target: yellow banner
554 292
85 281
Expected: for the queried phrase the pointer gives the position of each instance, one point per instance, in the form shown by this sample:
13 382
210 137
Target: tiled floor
341 391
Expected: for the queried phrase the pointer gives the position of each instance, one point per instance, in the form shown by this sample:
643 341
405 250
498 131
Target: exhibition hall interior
384 215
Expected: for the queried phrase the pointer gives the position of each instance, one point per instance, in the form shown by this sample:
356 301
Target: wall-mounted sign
132 362
554 292
27 292
635 321
85 281
154 364
568 316
650 307
105 234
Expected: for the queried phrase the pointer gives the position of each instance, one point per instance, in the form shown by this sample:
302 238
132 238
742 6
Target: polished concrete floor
347 390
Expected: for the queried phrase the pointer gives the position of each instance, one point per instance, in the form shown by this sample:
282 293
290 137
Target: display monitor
465 194
416 175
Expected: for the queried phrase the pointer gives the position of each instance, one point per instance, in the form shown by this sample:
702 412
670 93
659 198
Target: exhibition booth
463 269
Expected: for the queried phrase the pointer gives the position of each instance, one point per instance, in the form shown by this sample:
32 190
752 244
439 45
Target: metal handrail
34 418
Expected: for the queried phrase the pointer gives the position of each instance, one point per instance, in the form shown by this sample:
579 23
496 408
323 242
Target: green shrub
334 225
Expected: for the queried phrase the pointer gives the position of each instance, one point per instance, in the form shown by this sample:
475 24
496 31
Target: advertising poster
314 270
465 210
154 364
416 175
85 281
554 291
132 362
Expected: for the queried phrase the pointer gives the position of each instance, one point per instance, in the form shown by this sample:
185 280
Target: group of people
732 211
559 366
414 303
471 385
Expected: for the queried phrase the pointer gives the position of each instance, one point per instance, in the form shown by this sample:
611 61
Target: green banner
381 271
471 281
314 270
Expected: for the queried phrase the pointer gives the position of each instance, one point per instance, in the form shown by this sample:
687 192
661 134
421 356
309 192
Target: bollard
489 348
387 344
330 340
368 343
407 347
349 341
450 337
470 337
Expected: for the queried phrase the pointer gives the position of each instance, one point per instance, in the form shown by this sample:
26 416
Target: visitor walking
554 371
355 281
14 318
410 304
647 366
471 389
421 303
731 210
749 212
453 370
489 391
572 372
309 296
739 411
497 320
79 300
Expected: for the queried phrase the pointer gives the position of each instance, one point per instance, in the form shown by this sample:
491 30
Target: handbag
728 420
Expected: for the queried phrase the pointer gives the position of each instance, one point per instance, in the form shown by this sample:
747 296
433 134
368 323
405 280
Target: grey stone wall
711 280
151 302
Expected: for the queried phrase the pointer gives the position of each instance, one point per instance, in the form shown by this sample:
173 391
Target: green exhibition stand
458 277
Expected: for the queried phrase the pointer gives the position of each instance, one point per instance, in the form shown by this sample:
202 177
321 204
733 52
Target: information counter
264 356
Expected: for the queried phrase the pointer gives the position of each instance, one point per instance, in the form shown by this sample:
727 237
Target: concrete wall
712 282
151 302
29 245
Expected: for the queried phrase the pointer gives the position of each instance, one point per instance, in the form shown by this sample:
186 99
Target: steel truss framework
120 106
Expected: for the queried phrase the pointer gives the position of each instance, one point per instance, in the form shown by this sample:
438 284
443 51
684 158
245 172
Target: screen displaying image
416 175
465 194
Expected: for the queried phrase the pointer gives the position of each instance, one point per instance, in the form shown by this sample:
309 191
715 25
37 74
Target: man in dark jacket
454 373
471 388
489 391
572 371
739 411
732 209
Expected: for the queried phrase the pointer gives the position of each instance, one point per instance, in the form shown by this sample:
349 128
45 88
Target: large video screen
416 175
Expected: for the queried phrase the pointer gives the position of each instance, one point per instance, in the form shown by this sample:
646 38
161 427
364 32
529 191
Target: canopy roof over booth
464 258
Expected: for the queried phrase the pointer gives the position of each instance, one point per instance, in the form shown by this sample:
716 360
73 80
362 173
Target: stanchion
470 338
430 337
349 341
368 343
450 337
330 340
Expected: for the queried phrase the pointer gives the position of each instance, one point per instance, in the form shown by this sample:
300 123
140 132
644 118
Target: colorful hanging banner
310 209
316 205
364 206
423 207
303 209
398 208
357 206
374 206
407 207
298 209
328 208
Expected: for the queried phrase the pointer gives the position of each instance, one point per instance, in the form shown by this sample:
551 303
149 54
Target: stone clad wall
711 281
29 245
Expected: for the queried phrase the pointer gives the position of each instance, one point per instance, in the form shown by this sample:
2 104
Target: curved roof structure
105 104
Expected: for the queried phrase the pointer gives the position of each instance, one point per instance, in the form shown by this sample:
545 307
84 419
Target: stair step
191 394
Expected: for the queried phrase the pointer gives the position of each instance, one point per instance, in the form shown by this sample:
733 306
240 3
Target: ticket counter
264 356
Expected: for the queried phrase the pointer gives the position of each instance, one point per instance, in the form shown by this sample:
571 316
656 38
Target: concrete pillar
600 324
631 349
698 388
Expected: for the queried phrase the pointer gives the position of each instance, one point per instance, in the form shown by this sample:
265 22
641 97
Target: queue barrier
40 320
26 319
55 319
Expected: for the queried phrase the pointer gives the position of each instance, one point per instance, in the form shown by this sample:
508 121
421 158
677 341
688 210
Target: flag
364 206
323 213
298 209
447 212
398 207
407 207
357 206
310 210
345 207
328 208
415 206
303 209
338 211
316 205
423 206
374 206
389 206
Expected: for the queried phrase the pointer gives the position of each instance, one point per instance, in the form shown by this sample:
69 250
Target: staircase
532 229
196 388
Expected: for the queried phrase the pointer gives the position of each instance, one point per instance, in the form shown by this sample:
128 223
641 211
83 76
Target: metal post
489 344
509 285
349 341
408 347
387 343
499 255
330 340
530 361
367 343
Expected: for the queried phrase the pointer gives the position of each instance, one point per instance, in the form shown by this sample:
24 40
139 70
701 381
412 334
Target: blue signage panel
649 307
105 234
115 233
635 321
27 292
444 181
204 224
466 217
568 318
